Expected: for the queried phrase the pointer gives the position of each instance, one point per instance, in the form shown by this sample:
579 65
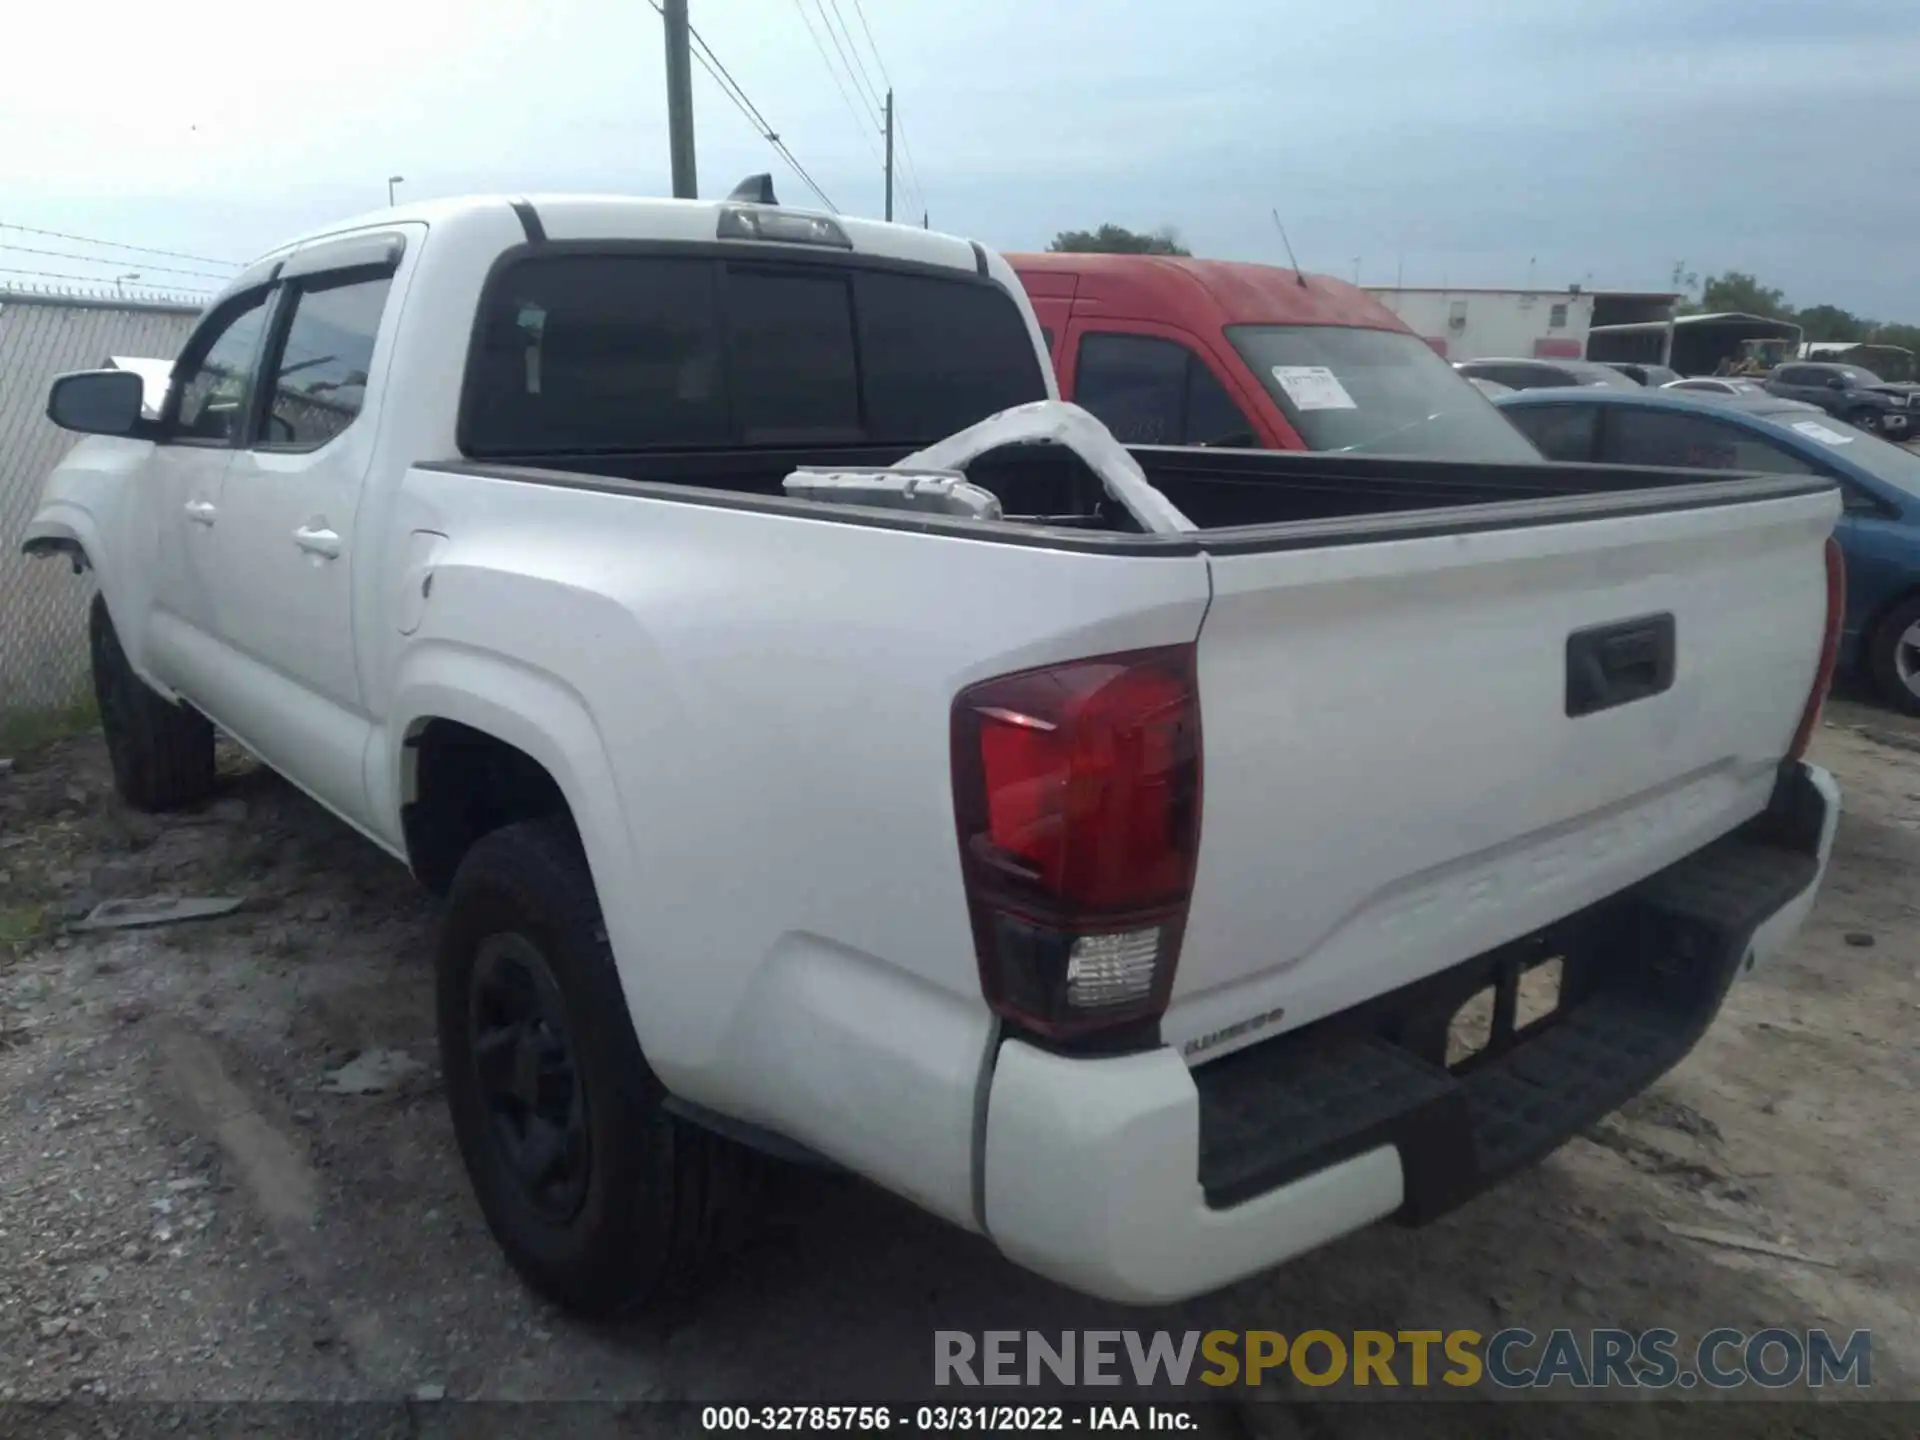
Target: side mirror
97 402
1836 382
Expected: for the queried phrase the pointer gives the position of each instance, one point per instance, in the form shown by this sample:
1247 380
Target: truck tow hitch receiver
1077 797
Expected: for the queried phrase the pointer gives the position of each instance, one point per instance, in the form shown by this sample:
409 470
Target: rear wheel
162 753
1894 656
601 1199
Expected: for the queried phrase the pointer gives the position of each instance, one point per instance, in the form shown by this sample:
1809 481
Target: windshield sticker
1313 387
1813 429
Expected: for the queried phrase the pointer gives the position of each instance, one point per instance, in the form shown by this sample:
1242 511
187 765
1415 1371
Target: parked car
1716 385
805 717
1650 375
1168 350
1879 531
1538 374
1846 392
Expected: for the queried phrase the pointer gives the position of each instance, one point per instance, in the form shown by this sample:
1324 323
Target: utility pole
889 154
680 101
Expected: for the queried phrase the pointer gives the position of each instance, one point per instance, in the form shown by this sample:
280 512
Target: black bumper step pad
1643 975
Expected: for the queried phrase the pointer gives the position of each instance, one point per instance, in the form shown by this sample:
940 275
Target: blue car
1879 532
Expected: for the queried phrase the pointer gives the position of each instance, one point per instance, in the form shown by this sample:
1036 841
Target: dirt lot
191 1211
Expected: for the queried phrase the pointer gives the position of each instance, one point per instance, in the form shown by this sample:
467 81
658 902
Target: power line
912 171
733 90
99 280
909 169
859 121
118 245
860 10
858 69
109 260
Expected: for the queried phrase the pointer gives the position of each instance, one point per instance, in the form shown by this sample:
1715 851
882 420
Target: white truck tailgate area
1392 781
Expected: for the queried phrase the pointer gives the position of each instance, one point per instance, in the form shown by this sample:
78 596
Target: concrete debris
371 1072
156 910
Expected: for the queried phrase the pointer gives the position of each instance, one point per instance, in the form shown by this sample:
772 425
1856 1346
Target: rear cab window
1378 392
585 352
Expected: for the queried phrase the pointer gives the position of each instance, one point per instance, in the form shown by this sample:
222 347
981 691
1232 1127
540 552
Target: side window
1696 442
1795 375
1135 385
1150 391
790 360
213 397
1752 453
596 352
1559 432
320 375
1212 417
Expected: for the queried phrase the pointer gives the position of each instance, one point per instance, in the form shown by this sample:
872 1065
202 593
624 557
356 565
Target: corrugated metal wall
43 605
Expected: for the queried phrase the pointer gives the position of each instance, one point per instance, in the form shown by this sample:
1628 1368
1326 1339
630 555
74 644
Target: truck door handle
1611 665
317 540
202 512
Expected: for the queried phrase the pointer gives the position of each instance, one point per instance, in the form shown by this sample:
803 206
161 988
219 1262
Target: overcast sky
1471 142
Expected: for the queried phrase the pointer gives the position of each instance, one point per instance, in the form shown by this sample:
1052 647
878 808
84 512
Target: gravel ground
193 1210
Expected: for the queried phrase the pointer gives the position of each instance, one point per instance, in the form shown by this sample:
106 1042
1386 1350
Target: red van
1175 351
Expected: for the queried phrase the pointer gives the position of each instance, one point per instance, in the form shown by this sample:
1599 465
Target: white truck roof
632 217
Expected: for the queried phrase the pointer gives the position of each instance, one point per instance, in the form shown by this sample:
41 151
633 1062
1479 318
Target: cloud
1461 140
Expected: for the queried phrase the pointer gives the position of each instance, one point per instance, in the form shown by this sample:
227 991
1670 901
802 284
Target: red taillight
1077 794
1829 650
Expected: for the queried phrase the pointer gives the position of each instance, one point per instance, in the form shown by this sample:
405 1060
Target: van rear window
603 353
1377 392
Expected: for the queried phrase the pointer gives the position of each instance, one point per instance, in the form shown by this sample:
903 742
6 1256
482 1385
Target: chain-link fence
43 604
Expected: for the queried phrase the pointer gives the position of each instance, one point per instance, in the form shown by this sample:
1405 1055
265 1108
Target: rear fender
529 709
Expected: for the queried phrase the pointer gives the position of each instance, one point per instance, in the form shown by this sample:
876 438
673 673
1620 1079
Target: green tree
1907 337
1739 292
1830 322
1118 240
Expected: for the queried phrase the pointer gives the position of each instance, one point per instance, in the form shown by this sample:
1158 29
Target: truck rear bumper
1139 1180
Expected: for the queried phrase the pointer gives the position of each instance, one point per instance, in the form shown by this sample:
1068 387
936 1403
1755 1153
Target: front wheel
1894 656
602 1200
1867 420
162 753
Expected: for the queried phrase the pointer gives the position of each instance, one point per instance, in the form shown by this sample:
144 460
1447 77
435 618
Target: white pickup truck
1091 845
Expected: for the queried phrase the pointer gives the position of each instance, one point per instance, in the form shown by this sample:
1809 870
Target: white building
1475 324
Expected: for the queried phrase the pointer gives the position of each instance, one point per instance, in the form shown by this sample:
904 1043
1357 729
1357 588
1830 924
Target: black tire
1884 657
1867 420
162 753
653 1195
